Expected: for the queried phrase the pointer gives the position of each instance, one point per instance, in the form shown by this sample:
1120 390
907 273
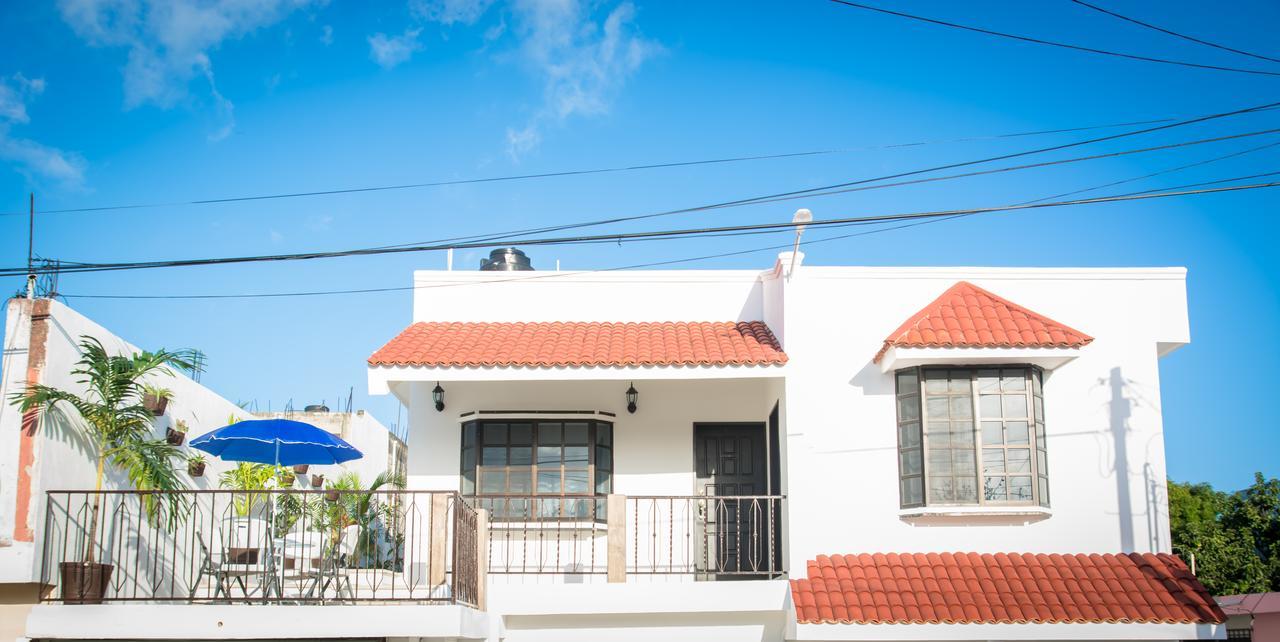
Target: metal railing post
617 537
482 557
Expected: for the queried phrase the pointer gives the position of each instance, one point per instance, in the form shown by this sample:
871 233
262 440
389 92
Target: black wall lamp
437 395
632 396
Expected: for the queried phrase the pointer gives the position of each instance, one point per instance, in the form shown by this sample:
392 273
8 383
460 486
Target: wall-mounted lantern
437 395
632 396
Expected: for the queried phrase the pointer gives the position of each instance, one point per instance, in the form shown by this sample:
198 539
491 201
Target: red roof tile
582 344
967 316
971 588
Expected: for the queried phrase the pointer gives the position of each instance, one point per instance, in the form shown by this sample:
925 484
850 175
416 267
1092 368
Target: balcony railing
275 546
614 535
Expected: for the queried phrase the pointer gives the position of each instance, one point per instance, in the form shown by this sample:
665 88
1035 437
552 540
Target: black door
732 473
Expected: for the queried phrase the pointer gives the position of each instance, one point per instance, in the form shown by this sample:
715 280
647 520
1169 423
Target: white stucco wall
61 460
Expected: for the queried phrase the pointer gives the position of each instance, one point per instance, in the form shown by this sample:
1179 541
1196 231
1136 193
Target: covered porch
597 468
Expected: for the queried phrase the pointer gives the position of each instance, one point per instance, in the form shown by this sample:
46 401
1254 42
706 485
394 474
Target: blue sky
125 101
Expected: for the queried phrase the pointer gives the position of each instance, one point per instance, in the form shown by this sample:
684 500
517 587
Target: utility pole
31 241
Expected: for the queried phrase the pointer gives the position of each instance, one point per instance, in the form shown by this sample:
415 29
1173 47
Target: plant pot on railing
84 582
317 481
300 469
331 495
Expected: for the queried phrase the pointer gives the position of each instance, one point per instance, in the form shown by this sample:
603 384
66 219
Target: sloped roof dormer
967 316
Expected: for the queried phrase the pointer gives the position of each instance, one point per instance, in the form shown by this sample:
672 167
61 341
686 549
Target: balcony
425 547
271 546
617 538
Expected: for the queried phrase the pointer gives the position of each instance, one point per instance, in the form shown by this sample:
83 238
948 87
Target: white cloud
389 51
448 12
33 159
169 41
326 35
583 63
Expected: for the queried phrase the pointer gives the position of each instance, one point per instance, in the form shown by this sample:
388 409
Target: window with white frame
971 436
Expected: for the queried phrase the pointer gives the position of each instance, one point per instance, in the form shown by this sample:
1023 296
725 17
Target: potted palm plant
117 427
156 399
195 465
253 480
176 433
351 503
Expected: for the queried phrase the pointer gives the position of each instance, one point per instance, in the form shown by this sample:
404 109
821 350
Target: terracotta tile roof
968 588
967 316
712 343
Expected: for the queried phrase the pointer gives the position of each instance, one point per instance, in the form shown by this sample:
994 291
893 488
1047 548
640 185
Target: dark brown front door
731 467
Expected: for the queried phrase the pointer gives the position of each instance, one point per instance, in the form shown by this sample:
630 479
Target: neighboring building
383 450
1254 616
799 453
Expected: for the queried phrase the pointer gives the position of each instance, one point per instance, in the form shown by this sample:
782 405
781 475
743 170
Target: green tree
1235 538
117 425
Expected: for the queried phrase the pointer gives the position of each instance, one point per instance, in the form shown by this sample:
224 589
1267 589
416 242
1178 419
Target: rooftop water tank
506 259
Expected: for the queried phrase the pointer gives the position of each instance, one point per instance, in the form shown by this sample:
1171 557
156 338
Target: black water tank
506 259
316 407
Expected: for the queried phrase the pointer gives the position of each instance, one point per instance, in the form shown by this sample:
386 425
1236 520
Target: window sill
967 515
549 525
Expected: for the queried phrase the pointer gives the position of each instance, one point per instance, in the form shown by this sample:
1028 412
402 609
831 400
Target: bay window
538 469
971 436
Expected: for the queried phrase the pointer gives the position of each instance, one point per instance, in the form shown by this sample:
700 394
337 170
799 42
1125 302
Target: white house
798 453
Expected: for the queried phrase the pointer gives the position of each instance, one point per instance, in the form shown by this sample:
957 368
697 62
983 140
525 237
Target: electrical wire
1052 43
610 238
667 233
545 275
500 236
584 172
1174 33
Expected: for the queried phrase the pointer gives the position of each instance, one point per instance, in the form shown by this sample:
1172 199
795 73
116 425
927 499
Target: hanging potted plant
300 469
156 399
195 465
116 424
176 433
317 481
286 477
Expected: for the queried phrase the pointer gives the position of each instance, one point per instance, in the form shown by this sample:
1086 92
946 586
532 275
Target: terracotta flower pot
331 495
195 469
317 481
287 478
84 582
300 469
174 437
156 405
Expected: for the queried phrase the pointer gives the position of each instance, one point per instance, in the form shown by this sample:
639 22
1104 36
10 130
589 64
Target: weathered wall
60 458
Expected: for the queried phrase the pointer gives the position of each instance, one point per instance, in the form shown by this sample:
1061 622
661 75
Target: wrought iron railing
698 536
281 546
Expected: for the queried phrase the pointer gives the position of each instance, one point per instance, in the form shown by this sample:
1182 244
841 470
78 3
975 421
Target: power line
1173 33
505 238
584 172
782 195
492 240
937 217
664 234
1052 43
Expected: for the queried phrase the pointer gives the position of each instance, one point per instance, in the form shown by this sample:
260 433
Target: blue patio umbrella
282 442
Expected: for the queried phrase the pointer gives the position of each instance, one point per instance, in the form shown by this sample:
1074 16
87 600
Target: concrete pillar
617 541
440 529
